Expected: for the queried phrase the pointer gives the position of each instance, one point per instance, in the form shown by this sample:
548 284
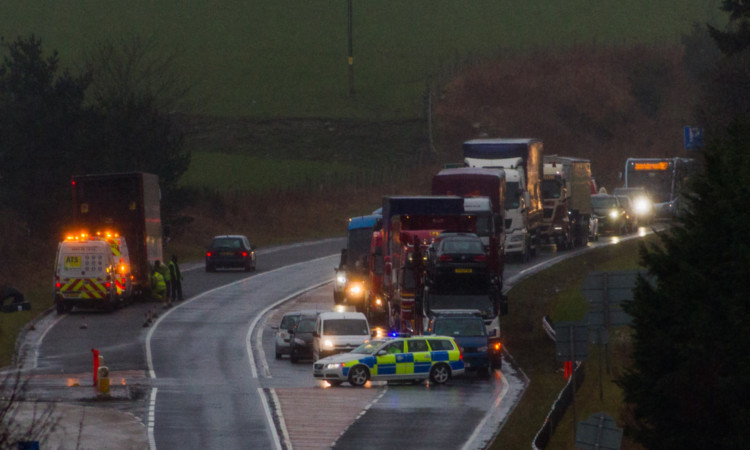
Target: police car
394 358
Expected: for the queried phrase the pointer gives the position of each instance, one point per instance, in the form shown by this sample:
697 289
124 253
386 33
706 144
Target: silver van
339 332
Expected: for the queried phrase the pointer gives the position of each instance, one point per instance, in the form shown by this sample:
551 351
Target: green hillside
269 59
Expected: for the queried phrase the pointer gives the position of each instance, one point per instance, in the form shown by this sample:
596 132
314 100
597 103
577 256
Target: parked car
228 251
338 332
283 331
643 205
467 328
301 337
610 214
394 359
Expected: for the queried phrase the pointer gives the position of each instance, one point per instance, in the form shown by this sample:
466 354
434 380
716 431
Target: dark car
643 205
457 260
301 338
230 251
610 213
468 329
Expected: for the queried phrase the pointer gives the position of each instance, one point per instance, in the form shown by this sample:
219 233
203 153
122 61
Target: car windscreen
459 326
603 202
481 302
345 327
306 325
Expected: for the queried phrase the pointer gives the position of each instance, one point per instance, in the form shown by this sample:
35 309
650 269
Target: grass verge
557 292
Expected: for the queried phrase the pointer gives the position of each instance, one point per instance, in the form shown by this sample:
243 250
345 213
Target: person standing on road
176 275
164 271
158 285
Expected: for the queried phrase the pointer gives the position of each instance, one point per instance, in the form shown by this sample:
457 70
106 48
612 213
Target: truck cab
556 221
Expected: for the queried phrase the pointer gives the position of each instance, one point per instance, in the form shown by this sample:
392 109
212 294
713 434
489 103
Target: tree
135 89
737 38
689 381
41 111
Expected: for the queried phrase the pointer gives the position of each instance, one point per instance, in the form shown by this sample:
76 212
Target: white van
339 332
91 274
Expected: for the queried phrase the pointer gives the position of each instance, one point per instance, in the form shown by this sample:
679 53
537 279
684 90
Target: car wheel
484 372
358 376
440 374
61 309
248 267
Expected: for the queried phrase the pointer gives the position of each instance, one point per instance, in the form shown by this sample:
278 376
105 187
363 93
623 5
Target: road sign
572 341
693 138
600 432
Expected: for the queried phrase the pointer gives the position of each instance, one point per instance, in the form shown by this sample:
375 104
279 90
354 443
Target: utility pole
351 50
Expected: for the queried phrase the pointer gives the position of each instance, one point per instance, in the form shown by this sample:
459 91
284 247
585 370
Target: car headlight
341 279
328 343
613 214
642 205
333 366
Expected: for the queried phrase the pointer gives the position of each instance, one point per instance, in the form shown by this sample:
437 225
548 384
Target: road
199 377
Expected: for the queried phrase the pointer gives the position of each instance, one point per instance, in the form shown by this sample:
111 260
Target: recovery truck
521 160
351 283
484 196
128 204
575 202
409 226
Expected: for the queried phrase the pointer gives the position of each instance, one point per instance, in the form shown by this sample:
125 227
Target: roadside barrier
556 413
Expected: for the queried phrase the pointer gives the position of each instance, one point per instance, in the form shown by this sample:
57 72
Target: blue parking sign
693 138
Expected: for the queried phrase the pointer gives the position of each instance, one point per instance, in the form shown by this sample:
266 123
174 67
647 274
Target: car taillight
208 254
480 258
244 254
445 258
108 284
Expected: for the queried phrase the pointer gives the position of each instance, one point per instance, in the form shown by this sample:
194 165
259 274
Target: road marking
267 409
149 355
151 421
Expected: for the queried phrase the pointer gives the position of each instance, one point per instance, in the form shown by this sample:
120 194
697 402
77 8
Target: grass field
268 59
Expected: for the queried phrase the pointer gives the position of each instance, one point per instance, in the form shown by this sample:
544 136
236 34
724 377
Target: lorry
484 196
522 160
352 273
92 271
573 203
127 204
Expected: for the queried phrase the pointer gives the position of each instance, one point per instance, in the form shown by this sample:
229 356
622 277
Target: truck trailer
522 161
128 204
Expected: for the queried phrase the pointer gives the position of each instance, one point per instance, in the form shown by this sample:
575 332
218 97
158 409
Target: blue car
467 328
